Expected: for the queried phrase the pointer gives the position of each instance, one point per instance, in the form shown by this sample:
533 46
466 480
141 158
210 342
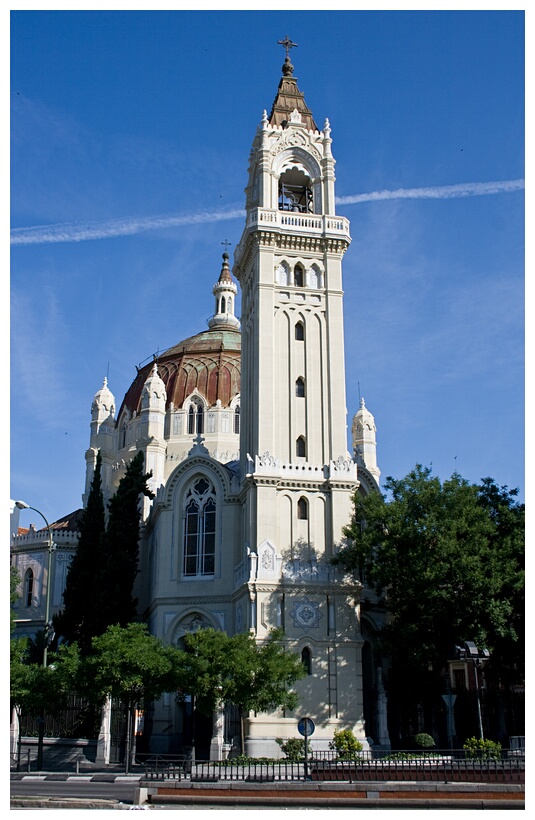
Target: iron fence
441 766
78 718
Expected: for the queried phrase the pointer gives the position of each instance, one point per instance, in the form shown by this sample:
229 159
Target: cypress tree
77 621
114 603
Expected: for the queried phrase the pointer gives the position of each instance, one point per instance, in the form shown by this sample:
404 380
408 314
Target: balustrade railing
303 222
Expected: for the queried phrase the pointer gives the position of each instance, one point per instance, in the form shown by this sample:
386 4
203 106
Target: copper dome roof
209 361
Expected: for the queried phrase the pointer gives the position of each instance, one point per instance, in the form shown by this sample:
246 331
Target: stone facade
246 436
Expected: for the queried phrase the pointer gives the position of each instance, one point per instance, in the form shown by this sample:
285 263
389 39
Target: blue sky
130 137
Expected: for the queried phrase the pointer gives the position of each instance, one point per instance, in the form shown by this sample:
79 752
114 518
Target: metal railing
441 766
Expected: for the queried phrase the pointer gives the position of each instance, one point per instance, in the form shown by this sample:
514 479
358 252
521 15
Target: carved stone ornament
306 614
297 570
195 623
295 140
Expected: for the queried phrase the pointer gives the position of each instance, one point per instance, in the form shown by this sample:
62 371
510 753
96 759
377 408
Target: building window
237 419
122 442
300 447
28 588
314 277
299 276
300 388
302 509
300 332
295 192
306 660
200 529
282 274
223 304
195 419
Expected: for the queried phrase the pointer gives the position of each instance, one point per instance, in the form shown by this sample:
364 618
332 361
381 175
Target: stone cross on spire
287 43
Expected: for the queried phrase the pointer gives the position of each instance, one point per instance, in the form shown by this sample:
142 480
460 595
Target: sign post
306 727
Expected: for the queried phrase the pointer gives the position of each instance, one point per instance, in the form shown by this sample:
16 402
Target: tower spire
289 100
225 291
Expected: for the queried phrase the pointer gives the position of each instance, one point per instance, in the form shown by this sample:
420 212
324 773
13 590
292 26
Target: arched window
299 276
300 332
199 529
282 274
306 660
300 388
28 588
223 304
302 509
122 436
295 192
314 277
195 419
237 419
300 447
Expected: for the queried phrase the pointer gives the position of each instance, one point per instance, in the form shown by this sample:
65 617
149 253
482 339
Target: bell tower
298 477
289 265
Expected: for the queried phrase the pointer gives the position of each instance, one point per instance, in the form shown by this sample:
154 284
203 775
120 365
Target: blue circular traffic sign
306 727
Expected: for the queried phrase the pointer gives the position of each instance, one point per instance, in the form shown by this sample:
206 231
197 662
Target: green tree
34 689
113 602
447 561
78 619
508 518
126 664
218 668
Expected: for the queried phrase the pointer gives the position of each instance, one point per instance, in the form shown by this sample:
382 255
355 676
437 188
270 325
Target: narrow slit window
300 388
300 447
302 509
306 660
28 588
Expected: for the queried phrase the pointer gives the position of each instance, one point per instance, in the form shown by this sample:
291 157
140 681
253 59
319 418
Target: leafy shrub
345 744
423 741
245 760
476 748
401 756
293 748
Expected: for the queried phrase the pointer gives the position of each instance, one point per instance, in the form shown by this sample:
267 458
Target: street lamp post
21 505
476 655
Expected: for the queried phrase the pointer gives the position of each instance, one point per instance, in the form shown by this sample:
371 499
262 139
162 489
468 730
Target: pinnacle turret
225 291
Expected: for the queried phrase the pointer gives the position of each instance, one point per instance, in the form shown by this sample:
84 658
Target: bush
476 748
245 760
345 744
293 748
423 741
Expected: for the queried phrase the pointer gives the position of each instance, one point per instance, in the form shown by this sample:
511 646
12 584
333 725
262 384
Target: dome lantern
225 292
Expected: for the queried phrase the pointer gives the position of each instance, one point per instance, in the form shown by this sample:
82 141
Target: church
244 428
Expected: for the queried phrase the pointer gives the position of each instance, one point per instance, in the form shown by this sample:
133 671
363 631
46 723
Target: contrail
438 192
78 232
81 231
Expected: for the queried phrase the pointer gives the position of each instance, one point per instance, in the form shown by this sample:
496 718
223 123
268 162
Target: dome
209 362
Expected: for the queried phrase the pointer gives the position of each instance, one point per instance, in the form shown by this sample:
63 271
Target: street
75 787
